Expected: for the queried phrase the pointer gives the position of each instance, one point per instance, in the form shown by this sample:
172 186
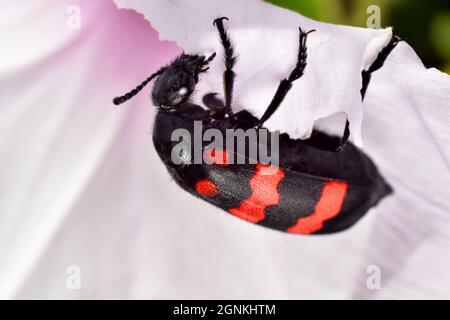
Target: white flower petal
57 120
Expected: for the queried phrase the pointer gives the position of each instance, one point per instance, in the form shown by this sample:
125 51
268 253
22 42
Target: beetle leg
335 144
286 84
230 59
378 63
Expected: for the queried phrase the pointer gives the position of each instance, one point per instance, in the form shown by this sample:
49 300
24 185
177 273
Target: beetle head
175 83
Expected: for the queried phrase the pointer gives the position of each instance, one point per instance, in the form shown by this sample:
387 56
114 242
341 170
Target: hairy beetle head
172 88
176 84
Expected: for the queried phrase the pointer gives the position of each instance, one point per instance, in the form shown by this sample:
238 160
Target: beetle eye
182 91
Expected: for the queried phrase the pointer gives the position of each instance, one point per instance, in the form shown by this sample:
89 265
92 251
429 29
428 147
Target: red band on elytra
264 193
206 188
328 206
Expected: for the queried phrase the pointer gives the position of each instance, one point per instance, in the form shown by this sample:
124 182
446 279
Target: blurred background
425 25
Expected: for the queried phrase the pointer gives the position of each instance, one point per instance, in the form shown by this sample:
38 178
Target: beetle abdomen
284 200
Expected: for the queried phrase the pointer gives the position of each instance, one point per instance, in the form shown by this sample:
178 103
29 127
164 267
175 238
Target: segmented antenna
132 93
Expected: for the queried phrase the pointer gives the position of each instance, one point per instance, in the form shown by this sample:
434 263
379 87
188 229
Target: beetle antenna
132 93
